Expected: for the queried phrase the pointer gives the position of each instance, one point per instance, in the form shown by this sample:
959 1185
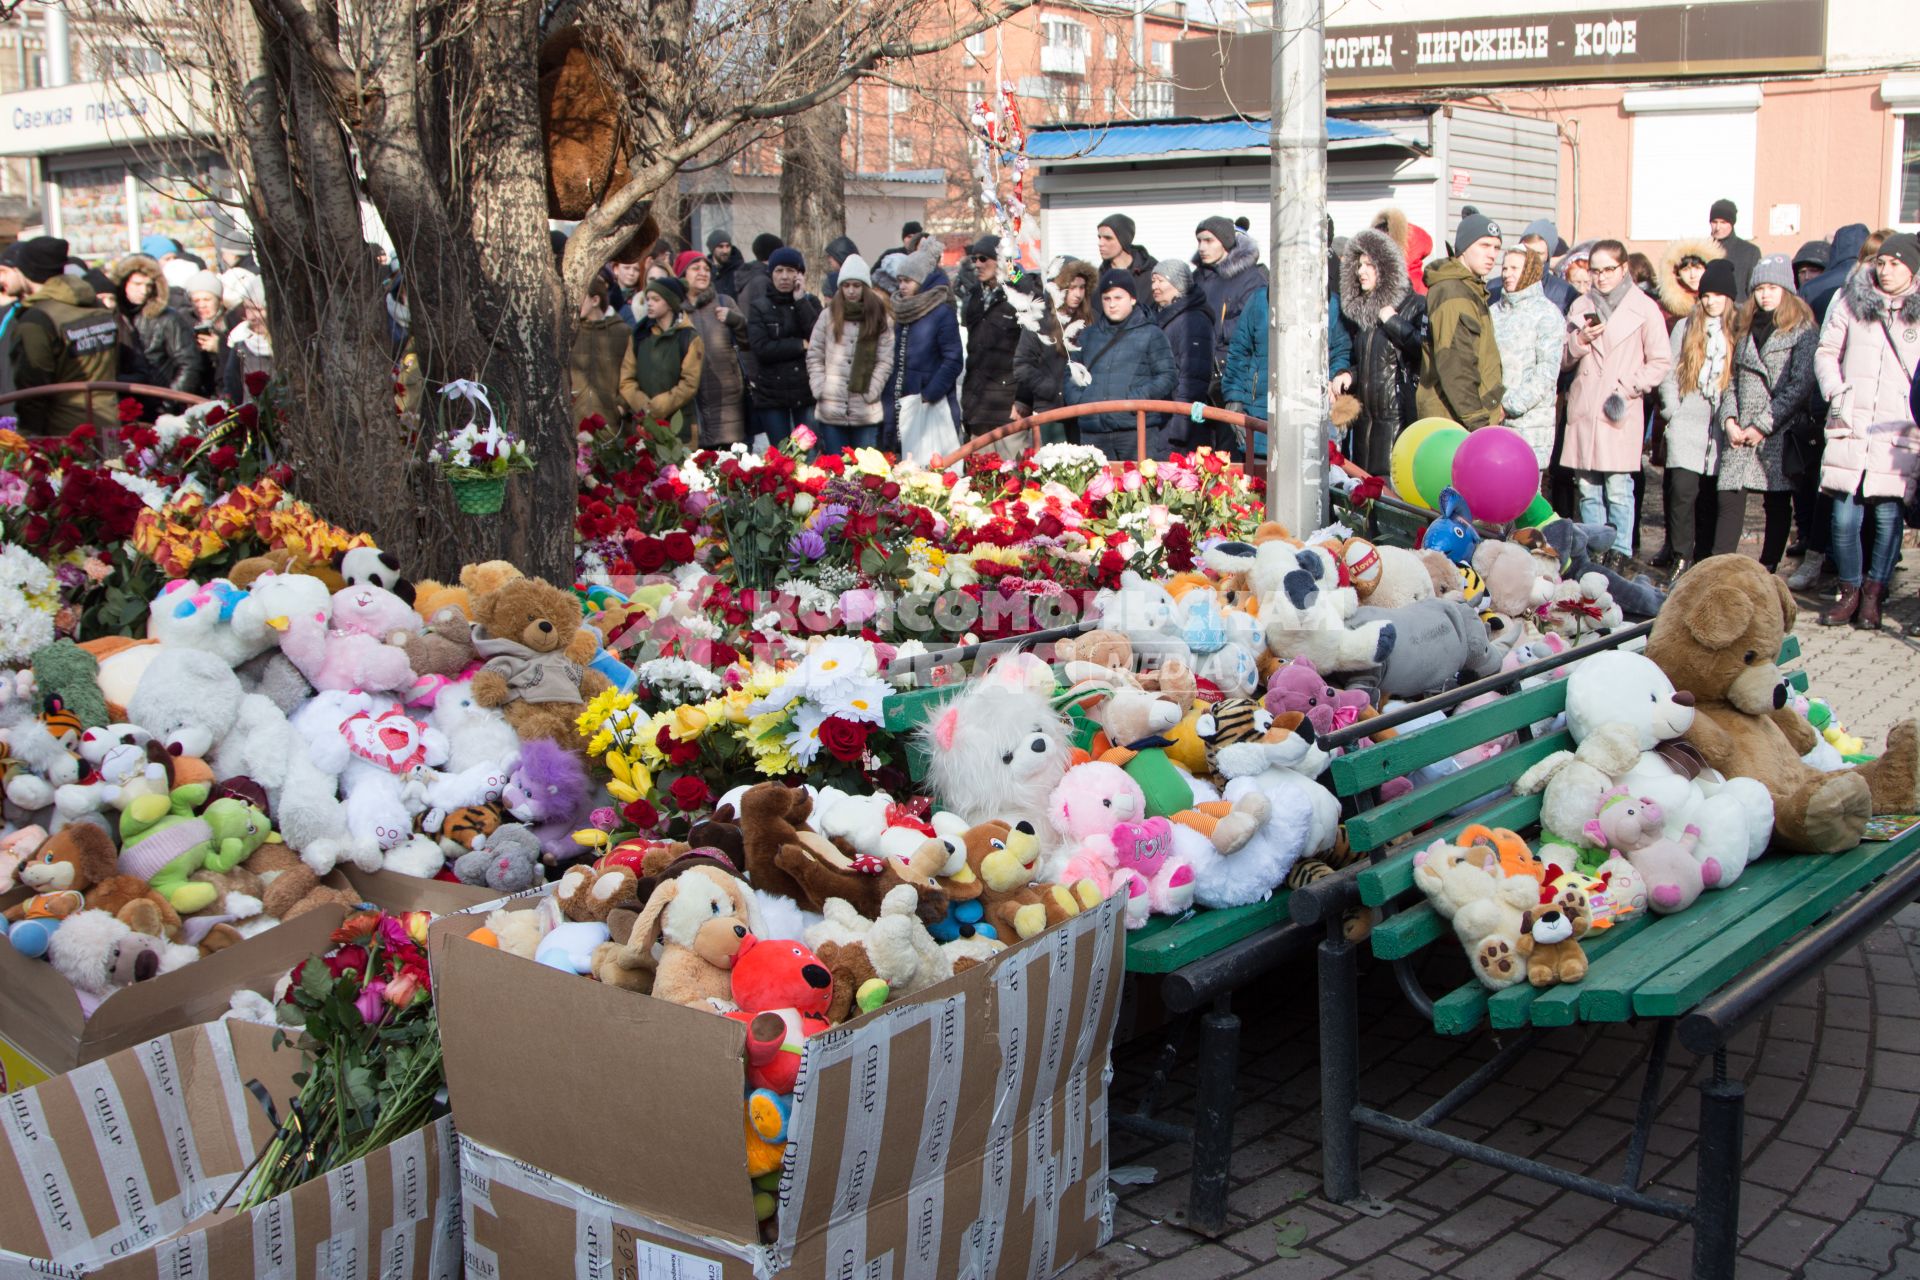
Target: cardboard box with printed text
117 1166
960 1131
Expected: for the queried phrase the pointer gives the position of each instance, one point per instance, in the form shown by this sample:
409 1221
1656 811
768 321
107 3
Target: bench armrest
1328 897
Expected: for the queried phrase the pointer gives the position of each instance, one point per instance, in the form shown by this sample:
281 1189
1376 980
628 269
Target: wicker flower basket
480 497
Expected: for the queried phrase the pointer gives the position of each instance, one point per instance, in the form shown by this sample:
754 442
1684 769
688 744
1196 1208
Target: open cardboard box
395 892
45 1029
118 1164
960 1131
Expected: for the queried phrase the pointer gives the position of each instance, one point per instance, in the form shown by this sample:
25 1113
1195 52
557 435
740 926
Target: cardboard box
392 891
960 1132
44 1029
117 1166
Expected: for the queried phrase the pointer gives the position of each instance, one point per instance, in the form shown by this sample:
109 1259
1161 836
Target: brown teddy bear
784 856
1001 859
529 634
444 647
1716 638
281 560
1550 942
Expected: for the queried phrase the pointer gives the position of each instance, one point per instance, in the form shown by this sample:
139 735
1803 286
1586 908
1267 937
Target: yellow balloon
1400 471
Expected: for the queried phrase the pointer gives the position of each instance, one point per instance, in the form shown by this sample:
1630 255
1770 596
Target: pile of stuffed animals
167 797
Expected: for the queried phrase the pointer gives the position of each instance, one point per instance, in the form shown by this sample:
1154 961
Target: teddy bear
119 768
1716 639
1100 647
286 562
1385 577
200 616
100 954
1634 828
440 652
1099 812
370 566
506 860
289 888
999 747
785 856
702 920
548 790
1487 907
1231 566
1296 686
37 764
1003 857
1550 945
1255 753
1569 548
781 993
1632 727
524 631
1517 583
857 985
1148 616
1437 644
903 954
75 868
481 751
375 749
344 646
1305 611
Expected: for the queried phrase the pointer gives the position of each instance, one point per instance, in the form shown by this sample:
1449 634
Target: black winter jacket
993 334
778 326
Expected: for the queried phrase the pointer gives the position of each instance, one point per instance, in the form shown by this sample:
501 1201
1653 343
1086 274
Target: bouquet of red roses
363 1015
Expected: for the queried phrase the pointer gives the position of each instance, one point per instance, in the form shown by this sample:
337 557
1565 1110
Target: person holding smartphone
1617 347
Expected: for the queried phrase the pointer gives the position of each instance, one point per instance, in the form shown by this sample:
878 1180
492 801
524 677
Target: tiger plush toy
459 829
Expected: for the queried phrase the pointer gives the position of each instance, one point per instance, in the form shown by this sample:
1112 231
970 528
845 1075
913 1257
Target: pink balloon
1496 472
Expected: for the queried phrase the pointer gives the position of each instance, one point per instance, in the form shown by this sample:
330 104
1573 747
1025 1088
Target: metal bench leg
1213 1118
1339 1066
1716 1223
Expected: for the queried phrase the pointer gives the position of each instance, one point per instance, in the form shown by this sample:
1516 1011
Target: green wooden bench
1708 970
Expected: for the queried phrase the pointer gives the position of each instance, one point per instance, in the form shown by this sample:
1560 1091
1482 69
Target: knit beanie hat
685 260
917 266
911 229
1719 279
1221 228
233 286
1723 209
1121 226
984 247
1772 269
1903 246
855 268
204 282
1814 253
158 246
717 237
1176 273
765 245
43 258
1114 278
785 256
669 291
1474 226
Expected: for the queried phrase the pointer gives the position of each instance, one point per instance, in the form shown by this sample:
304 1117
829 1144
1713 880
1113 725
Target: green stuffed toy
164 843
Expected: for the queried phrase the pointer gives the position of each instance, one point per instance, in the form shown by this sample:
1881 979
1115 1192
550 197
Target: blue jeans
1615 509
835 436
1848 515
1119 446
777 423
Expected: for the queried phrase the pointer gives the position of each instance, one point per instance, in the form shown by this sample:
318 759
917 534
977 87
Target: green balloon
1433 463
1538 512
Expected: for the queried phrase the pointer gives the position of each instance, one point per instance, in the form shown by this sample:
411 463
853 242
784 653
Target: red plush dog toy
783 992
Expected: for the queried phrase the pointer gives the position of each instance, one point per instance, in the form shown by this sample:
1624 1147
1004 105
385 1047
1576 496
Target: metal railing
1244 425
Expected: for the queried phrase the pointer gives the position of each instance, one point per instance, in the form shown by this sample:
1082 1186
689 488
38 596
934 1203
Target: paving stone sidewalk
1832 1184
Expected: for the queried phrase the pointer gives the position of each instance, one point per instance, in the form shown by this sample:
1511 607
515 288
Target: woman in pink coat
1617 346
1869 346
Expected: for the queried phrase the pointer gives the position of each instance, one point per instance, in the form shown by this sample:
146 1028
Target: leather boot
1869 617
1841 611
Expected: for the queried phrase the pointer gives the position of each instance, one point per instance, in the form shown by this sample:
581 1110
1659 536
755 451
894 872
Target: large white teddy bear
1629 721
382 756
1149 617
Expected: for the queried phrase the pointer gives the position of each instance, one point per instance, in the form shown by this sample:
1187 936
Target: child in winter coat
1699 382
849 360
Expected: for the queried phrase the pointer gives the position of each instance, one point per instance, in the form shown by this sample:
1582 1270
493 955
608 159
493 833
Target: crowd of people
162 317
1762 386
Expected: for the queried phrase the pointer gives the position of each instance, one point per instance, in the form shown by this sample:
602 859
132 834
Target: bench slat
1695 976
1360 770
1383 824
1388 879
1606 995
1513 1008
1406 933
1165 943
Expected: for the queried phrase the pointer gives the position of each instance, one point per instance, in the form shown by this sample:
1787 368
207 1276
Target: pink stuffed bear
1157 880
1297 685
1633 829
347 648
1097 810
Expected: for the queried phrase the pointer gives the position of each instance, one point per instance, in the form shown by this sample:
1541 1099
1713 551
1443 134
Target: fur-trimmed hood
1392 288
150 268
1674 296
1244 256
1867 303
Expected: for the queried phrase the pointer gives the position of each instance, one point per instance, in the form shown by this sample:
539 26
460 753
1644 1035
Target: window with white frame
1152 99
1163 55
977 44
901 152
1109 101
1691 147
899 99
1902 96
1112 46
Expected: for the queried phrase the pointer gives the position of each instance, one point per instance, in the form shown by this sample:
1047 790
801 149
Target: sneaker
1808 572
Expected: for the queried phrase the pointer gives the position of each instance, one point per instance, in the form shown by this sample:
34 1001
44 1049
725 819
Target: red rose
248 415
185 445
129 410
846 739
256 382
640 814
39 495
348 959
681 754
216 415
1050 526
649 555
225 458
679 547
689 793
36 530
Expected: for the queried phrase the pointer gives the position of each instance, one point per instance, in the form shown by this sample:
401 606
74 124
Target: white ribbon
473 393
